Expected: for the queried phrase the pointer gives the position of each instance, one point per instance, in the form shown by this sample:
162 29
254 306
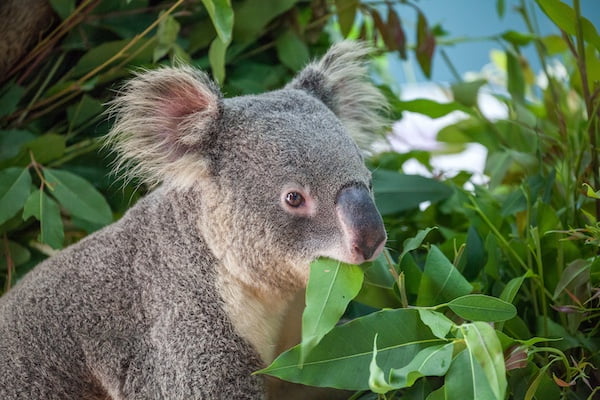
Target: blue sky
474 19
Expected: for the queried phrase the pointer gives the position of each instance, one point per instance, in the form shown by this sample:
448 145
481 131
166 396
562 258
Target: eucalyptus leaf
439 324
45 210
484 346
431 361
331 286
15 185
342 358
10 95
221 15
216 56
479 307
432 108
78 196
292 51
396 192
466 380
441 281
11 142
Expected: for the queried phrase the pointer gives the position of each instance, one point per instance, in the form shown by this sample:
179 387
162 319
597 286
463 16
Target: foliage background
528 240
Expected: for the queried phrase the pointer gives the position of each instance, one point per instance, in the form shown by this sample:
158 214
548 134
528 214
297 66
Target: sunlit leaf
216 56
484 346
342 358
432 108
221 15
431 361
564 17
439 324
331 286
466 380
346 13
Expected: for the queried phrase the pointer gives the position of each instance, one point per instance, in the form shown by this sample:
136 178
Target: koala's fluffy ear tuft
164 119
340 80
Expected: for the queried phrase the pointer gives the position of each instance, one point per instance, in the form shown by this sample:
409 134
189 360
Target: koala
189 292
22 23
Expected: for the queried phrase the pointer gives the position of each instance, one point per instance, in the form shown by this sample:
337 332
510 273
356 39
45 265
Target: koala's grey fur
184 297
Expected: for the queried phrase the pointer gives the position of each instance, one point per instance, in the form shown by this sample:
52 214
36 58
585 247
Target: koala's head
281 182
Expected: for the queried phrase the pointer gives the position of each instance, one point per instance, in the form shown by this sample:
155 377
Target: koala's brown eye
294 199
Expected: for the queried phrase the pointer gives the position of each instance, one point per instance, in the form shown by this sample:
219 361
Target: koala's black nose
361 223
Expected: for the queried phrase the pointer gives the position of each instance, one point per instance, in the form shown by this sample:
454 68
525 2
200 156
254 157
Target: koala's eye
294 199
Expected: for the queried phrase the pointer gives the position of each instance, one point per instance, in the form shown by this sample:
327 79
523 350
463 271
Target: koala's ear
340 80
165 120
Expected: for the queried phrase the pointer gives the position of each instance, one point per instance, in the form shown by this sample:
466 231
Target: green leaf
252 16
590 192
377 381
45 210
216 56
576 274
425 45
15 185
484 346
554 44
167 32
10 95
441 281
292 51
431 361
500 8
84 111
342 359
63 8
465 93
221 15
346 13
439 324
331 286
479 307
432 108
564 17
466 380
512 287
414 243
518 38
78 196
396 192
516 79
11 142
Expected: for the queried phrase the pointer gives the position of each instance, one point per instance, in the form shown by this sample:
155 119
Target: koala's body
185 296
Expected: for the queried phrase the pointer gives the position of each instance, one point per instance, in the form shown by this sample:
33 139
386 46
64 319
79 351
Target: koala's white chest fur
269 320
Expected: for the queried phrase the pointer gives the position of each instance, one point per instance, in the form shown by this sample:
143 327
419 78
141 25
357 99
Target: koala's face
280 177
301 187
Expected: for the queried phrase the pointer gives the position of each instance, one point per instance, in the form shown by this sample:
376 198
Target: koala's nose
361 223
